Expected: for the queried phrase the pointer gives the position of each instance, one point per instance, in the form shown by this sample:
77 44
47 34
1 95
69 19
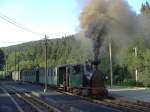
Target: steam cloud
102 20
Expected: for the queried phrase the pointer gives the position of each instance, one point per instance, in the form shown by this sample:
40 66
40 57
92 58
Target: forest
70 50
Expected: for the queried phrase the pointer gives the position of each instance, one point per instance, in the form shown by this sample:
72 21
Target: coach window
76 69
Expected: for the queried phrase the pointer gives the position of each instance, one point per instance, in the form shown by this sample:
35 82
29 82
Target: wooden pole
46 70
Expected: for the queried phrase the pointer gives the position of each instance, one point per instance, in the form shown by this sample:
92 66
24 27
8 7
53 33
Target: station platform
131 93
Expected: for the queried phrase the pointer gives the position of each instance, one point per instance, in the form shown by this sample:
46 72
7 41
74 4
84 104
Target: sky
55 18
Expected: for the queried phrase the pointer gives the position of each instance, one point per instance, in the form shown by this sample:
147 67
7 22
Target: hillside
60 51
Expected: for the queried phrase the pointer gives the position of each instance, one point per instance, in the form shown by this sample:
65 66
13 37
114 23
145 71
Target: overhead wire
11 21
20 41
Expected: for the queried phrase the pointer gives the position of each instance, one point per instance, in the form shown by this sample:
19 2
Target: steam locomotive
79 79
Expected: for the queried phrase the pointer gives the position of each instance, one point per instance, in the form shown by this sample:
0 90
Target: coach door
37 76
63 77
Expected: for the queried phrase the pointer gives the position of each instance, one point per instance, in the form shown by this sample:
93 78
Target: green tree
144 75
2 59
141 62
145 8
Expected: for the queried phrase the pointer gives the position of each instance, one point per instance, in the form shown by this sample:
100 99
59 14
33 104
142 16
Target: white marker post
136 71
110 57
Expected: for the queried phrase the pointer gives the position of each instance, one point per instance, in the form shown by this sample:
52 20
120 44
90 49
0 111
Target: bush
128 82
148 85
139 84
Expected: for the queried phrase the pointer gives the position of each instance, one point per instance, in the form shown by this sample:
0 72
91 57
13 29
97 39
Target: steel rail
12 99
120 104
38 104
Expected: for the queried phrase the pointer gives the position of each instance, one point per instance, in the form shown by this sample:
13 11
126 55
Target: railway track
40 106
37 104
